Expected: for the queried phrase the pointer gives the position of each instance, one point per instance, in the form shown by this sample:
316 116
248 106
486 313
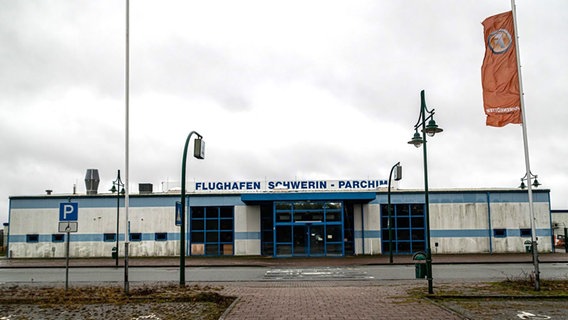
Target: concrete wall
459 223
367 228
97 215
247 230
93 223
469 227
464 222
559 222
148 222
459 228
515 216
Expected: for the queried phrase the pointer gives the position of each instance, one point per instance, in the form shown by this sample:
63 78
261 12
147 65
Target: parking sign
68 211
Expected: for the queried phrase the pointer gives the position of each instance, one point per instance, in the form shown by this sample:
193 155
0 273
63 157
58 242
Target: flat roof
345 194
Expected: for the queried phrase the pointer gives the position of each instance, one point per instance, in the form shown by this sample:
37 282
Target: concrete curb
230 308
268 262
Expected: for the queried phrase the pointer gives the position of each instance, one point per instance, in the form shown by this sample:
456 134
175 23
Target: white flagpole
127 129
527 159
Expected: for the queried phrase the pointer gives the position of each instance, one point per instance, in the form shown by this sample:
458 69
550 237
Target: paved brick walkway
329 300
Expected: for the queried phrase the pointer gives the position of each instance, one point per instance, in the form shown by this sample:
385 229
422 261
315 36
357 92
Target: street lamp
397 177
431 129
199 153
118 187
534 184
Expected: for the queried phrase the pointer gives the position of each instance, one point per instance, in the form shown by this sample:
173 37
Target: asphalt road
461 272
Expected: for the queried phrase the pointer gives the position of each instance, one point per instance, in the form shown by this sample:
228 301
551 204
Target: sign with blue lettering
68 211
178 213
289 185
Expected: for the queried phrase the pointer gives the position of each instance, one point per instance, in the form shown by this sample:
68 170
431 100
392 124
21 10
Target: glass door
309 240
317 240
301 240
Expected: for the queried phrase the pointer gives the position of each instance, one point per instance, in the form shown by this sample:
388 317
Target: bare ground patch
104 302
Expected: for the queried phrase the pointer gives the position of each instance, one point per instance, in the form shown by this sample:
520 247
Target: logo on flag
499 72
499 41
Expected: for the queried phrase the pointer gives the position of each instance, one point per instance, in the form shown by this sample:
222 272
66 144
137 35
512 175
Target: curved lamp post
118 187
397 177
199 153
431 129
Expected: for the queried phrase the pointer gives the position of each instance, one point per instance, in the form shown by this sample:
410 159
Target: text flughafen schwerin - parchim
287 185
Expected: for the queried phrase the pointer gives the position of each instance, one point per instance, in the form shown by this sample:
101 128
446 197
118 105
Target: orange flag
499 72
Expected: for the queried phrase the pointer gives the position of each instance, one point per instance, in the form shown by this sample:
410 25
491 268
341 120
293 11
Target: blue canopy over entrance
362 197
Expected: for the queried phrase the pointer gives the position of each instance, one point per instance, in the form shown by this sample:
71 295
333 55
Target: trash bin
528 245
420 270
114 253
420 265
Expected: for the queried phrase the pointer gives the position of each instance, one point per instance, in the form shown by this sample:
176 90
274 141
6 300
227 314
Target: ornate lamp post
534 243
431 129
118 187
534 184
199 153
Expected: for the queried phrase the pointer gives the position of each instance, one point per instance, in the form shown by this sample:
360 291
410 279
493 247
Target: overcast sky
279 90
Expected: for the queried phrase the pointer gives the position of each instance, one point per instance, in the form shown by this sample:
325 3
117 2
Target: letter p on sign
68 211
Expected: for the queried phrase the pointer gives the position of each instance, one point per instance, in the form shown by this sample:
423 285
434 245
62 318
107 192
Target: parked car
560 241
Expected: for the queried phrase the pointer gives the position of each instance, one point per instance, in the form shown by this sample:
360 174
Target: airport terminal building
279 219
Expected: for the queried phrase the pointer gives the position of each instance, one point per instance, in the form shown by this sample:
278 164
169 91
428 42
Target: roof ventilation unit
145 188
92 181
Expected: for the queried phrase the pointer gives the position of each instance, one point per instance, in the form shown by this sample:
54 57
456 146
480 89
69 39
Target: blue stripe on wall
247 235
82 237
482 233
460 233
376 234
17 238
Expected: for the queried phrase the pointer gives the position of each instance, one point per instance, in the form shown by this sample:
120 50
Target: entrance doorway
307 228
309 239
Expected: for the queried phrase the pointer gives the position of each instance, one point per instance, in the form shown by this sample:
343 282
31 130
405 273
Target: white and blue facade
278 220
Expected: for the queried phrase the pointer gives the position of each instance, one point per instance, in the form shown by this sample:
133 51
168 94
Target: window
160 236
58 237
109 237
500 233
266 225
135 237
526 233
211 231
407 228
32 238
